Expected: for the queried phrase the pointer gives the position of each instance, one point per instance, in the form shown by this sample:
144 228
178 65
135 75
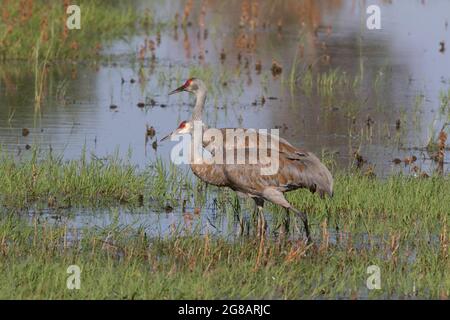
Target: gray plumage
298 168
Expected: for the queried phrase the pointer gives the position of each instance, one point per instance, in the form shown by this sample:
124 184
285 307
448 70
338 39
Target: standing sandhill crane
298 168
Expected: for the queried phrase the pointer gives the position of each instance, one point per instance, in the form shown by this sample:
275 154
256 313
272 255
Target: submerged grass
332 86
399 224
128 265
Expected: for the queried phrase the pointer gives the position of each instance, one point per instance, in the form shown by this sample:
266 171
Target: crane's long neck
195 151
199 104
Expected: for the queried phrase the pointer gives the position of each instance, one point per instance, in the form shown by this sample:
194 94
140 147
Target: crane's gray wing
296 170
246 138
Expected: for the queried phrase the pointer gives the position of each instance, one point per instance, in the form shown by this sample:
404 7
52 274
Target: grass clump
128 265
377 206
47 180
54 182
333 87
31 26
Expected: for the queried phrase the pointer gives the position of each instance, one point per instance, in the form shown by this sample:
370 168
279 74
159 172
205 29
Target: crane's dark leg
253 219
261 226
241 225
284 226
263 221
305 222
277 197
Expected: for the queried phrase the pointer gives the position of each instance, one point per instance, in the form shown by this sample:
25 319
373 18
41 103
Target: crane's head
183 128
192 85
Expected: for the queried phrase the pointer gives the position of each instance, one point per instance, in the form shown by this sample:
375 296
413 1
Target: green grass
33 27
35 259
333 87
48 180
399 224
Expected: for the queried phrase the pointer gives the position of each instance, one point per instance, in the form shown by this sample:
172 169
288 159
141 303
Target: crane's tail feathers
325 182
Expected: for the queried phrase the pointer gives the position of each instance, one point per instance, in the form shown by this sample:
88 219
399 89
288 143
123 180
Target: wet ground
389 106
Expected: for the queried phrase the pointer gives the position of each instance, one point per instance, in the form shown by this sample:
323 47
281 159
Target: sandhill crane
298 168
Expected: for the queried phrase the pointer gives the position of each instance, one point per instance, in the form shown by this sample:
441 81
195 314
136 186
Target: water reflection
233 45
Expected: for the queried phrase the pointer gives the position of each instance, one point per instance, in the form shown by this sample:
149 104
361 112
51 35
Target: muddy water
401 70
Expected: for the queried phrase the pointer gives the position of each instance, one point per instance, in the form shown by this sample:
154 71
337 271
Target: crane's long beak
169 135
180 89
166 137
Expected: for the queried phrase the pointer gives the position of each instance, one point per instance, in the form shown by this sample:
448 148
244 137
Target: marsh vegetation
86 181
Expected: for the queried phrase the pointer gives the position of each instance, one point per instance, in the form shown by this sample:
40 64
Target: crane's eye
182 125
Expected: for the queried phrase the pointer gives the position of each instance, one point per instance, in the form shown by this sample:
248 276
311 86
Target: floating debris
360 161
370 172
187 217
282 127
152 48
152 102
441 153
276 69
424 175
158 37
51 202
258 66
150 131
326 59
416 170
437 149
442 47
223 55
246 64
409 160
280 25
25 132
